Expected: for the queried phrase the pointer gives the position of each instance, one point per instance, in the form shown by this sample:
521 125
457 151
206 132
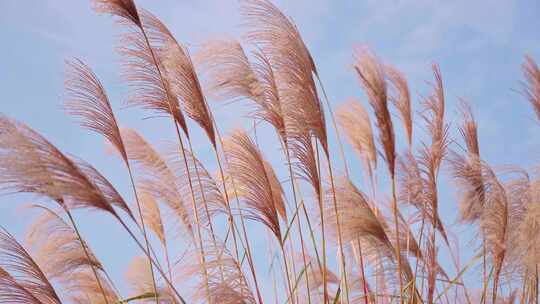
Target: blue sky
479 46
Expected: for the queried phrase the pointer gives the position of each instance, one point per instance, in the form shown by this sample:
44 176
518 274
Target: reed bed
333 239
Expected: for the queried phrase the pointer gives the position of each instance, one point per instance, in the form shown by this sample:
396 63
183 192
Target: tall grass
340 240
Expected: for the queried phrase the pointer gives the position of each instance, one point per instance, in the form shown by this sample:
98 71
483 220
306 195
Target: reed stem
83 245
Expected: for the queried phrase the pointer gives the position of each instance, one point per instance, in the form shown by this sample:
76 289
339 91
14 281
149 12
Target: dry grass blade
373 80
158 178
292 64
86 99
249 170
16 261
31 164
355 120
401 99
531 86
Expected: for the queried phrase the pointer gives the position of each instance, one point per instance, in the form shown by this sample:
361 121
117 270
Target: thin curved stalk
94 271
196 213
340 240
162 79
283 254
147 253
323 234
244 232
336 129
396 226
205 203
363 273
227 202
143 226
299 225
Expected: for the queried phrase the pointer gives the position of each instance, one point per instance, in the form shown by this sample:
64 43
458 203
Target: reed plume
31 164
20 276
294 69
254 181
232 76
360 222
401 99
263 195
66 258
531 85
354 119
157 178
373 80
57 247
152 216
292 64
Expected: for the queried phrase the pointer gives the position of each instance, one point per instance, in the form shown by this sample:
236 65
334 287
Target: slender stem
336 129
496 282
160 270
143 226
169 269
227 203
291 296
299 225
363 273
244 232
205 203
340 239
196 213
456 265
396 226
420 244
271 254
323 236
171 110
536 284
83 245
432 257
484 263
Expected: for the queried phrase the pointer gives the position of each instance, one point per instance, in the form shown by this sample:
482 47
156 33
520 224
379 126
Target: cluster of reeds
334 239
